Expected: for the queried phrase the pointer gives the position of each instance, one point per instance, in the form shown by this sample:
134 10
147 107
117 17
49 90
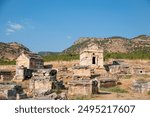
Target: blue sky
53 25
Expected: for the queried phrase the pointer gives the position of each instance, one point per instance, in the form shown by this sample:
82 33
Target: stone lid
80 82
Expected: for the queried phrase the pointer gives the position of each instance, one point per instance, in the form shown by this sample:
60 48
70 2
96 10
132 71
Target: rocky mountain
113 44
10 51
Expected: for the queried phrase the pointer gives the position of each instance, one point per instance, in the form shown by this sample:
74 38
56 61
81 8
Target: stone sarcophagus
83 87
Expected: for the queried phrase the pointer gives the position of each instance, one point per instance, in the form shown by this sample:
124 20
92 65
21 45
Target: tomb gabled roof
92 47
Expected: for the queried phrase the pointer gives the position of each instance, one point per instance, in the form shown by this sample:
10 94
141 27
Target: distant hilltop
10 51
113 44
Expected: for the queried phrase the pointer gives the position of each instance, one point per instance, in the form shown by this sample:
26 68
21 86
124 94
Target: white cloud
10 30
13 27
16 26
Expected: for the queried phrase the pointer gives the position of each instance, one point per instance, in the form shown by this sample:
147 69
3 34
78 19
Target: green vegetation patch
61 57
133 55
7 62
115 89
148 92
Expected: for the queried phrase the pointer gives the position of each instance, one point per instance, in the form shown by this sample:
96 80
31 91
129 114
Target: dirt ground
130 95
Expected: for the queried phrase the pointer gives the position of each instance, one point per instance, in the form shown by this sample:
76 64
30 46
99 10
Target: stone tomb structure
92 56
118 66
23 73
140 86
26 63
42 81
82 87
12 91
138 70
30 60
38 86
6 75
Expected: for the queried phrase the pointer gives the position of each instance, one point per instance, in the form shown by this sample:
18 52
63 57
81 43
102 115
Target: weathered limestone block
23 73
140 86
82 71
40 85
83 87
12 91
1 78
48 73
107 82
8 91
30 60
114 68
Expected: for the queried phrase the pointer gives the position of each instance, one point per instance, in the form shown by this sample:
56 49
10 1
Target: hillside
114 47
10 51
113 44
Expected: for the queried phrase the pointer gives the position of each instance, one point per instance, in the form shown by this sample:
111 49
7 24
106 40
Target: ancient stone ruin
34 80
30 60
6 75
83 87
81 71
92 55
42 81
12 91
118 66
140 86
